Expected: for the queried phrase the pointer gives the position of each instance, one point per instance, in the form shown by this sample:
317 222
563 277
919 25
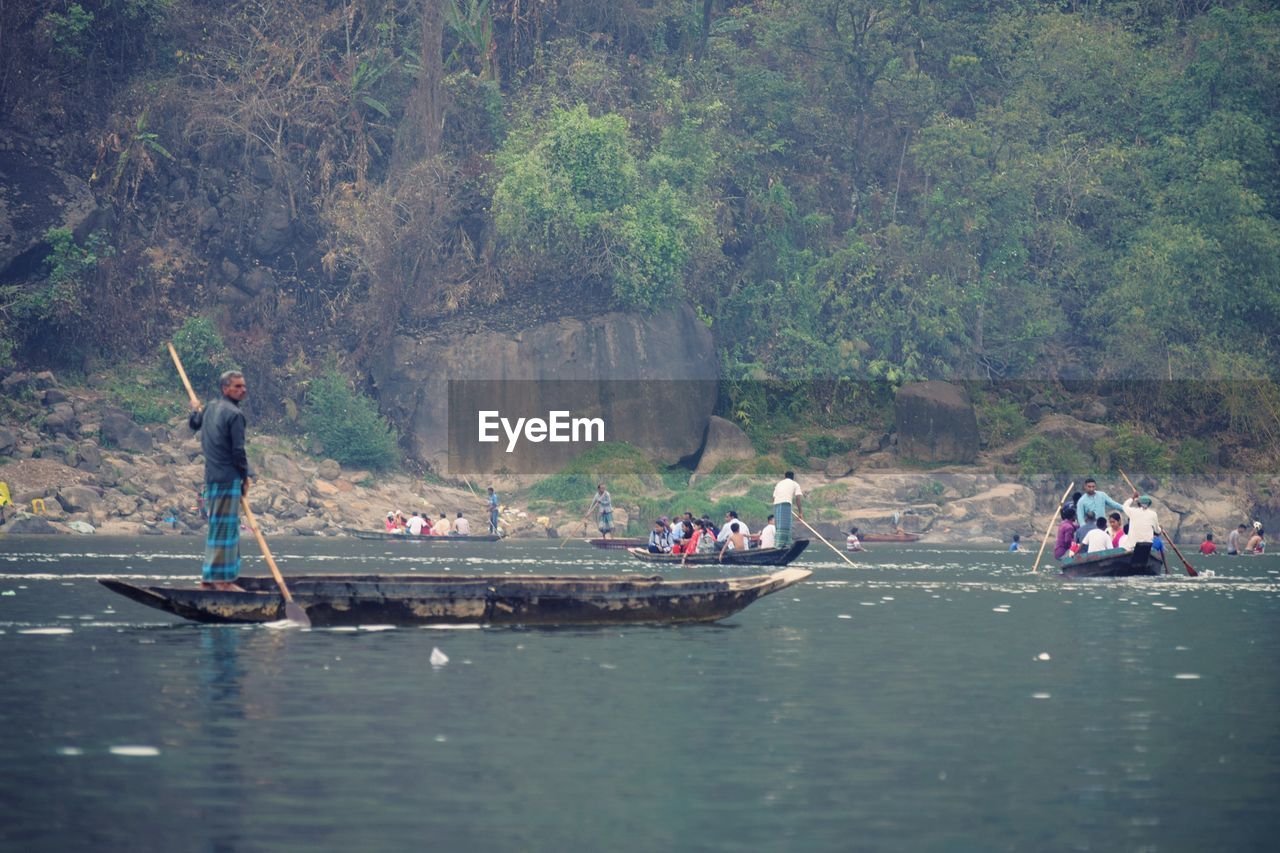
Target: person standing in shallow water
227 475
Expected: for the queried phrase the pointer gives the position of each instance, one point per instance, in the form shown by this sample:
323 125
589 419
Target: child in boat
735 541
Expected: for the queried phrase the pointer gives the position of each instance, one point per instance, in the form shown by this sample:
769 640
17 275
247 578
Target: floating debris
135 751
1187 676
46 631
438 658
1042 656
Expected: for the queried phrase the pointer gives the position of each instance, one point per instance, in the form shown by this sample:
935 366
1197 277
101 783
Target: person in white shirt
785 493
1143 523
415 524
851 542
768 534
461 527
731 518
1096 539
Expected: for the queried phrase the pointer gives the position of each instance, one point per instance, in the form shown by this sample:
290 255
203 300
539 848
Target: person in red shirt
1207 546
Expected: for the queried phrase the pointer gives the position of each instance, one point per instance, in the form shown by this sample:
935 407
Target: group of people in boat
684 534
420 524
1091 522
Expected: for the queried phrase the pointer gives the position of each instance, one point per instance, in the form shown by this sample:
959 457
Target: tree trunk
422 127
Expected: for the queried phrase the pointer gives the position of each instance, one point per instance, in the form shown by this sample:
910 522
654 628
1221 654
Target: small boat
618 543
641 543
347 600
1116 563
409 537
749 557
890 537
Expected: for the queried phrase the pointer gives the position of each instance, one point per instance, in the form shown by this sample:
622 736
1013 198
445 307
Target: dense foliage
860 191
346 424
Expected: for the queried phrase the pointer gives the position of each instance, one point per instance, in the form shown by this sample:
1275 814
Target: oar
565 540
292 611
1049 530
825 542
1190 571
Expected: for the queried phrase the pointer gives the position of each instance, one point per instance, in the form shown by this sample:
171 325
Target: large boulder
80 499
30 524
8 441
725 442
650 378
61 420
35 196
119 431
936 423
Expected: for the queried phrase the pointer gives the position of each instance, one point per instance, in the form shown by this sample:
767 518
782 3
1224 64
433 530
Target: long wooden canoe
409 537
750 557
345 600
1116 563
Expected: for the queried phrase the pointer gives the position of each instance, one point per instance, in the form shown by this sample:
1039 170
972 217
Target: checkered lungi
782 523
222 548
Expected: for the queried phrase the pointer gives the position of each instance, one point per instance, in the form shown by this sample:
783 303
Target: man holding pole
785 493
221 425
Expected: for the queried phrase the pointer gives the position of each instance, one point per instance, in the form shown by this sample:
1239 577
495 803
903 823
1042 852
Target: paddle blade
294 613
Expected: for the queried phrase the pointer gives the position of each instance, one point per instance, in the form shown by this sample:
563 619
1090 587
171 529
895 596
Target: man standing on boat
1093 501
1143 523
493 510
604 502
227 475
786 492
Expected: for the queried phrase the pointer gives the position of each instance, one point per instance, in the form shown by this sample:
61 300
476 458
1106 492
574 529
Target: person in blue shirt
1094 501
493 510
1016 544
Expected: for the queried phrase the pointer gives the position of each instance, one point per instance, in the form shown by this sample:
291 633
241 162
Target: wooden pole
1049 530
825 542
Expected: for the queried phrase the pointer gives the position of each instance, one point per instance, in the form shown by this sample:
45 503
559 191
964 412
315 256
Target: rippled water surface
929 699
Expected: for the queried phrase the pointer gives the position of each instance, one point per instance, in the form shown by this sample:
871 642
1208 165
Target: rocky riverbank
75 463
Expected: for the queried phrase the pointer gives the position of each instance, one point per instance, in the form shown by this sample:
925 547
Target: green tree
346 423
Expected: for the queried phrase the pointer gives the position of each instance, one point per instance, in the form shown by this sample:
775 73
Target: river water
929 699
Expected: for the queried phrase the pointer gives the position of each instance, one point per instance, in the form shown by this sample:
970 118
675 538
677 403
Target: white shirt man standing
786 493
1143 523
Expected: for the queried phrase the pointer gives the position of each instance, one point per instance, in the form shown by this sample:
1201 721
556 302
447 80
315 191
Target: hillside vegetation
862 192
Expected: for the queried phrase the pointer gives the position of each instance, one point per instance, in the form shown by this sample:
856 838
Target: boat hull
1138 563
351 600
750 557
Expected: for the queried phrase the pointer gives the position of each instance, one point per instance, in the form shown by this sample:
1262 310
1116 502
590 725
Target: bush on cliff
347 424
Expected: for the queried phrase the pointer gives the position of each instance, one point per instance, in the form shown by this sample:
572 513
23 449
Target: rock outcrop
651 378
936 423
724 442
35 196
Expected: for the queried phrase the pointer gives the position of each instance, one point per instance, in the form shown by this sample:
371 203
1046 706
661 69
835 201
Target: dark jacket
221 428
